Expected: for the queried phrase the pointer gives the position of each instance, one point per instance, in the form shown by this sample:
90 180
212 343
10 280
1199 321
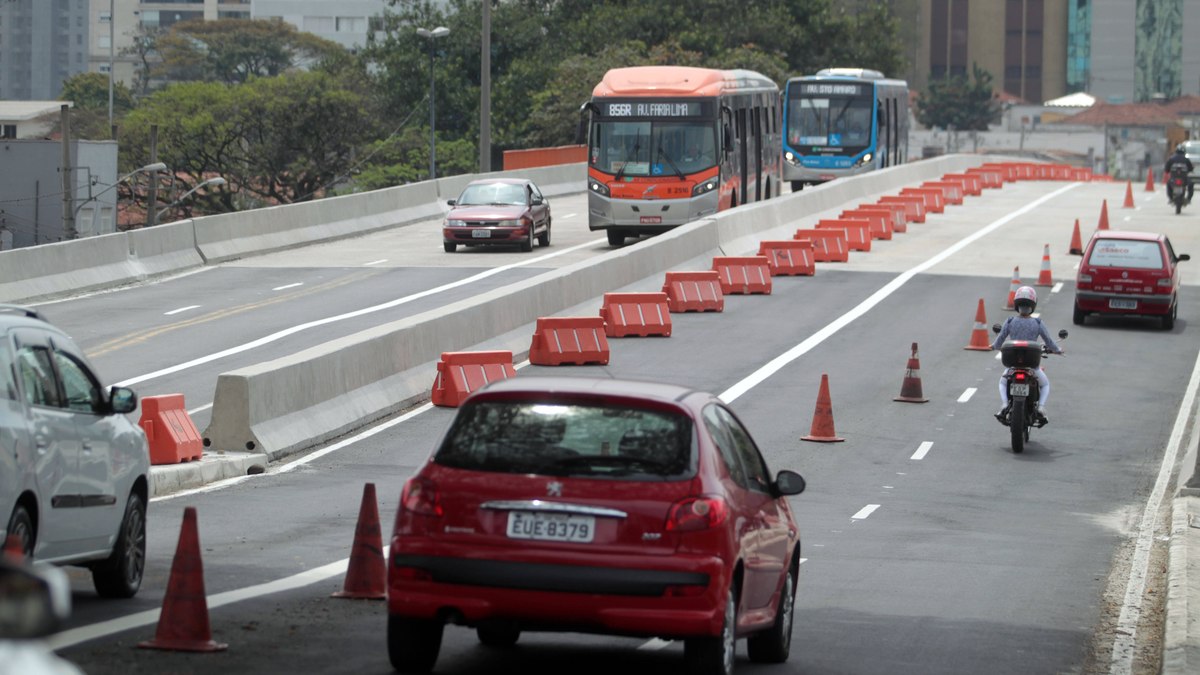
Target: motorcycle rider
1179 158
1024 326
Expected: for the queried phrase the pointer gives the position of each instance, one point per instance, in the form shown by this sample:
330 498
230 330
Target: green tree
959 103
234 50
89 116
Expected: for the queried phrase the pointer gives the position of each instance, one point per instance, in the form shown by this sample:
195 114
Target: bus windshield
653 148
830 124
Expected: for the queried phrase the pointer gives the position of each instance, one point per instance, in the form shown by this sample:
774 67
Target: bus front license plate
650 220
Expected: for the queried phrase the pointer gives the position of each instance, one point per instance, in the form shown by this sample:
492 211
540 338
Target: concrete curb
211 467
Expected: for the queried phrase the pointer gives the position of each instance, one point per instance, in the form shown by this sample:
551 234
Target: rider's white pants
1043 387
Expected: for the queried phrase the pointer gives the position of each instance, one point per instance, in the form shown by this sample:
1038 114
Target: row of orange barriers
584 340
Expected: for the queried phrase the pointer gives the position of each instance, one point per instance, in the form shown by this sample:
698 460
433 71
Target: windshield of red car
494 193
573 439
1143 255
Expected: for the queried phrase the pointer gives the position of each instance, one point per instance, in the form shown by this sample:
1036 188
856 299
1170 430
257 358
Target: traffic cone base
366 576
183 622
822 425
1076 243
1044 276
979 334
910 388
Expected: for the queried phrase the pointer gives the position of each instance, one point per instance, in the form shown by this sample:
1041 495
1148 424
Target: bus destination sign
830 89
651 109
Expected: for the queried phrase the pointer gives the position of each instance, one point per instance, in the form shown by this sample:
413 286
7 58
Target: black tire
544 238
413 644
121 575
449 247
1168 320
1016 424
1078 316
500 636
774 645
527 245
1178 206
797 186
21 524
714 655
615 237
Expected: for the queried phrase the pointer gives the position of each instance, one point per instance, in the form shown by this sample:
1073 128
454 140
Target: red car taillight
420 497
696 513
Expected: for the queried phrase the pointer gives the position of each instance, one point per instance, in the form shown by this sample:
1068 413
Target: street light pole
216 180
432 35
111 36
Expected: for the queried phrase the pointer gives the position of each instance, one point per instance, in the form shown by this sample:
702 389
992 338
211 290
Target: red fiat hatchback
595 506
1130 273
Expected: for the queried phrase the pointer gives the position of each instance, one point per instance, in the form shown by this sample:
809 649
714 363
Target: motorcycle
1177 187
1022 358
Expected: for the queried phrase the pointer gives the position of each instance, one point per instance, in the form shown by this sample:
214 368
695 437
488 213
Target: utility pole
152 200
68 182
485 91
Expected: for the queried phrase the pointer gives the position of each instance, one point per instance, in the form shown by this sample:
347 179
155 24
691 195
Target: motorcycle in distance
1022 358
1177 187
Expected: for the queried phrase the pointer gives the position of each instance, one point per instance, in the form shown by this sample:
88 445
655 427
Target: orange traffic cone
1012 289
979 334
14 548
1129 194
1076 242
183 623
1044 276
1150 179
1103 216
910 388
366 577
822 424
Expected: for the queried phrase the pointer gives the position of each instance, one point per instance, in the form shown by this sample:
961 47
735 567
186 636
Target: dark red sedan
497 212
595 506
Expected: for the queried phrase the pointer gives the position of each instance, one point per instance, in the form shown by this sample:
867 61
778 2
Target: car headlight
456 223
865 159
509 223
789 157
598 187
704 187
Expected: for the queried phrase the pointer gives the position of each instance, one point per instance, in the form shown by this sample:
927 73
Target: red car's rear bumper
1152 305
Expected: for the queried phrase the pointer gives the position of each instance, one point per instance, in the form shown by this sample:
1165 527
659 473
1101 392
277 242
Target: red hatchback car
1128 273
595 506
497 212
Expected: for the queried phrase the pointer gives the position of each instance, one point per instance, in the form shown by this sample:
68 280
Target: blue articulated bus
842 122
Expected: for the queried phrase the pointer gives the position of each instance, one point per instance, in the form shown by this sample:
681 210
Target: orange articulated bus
669 144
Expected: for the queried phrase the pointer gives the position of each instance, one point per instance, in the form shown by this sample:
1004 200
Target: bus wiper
662 153
637 145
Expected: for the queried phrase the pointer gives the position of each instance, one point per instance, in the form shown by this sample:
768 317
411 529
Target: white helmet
1025 300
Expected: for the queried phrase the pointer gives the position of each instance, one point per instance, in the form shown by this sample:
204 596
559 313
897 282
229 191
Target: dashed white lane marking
287 286
181 309
864 512
966 395
375 262
922 450
777 363
1057 287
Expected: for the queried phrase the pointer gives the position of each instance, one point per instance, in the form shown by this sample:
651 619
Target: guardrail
305 399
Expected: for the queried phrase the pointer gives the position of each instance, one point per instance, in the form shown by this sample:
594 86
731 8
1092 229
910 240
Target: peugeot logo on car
554 489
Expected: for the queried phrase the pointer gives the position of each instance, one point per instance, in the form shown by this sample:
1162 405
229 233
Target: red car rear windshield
572 439
1142 255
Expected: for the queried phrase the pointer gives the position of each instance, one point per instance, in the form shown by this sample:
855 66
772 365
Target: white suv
74 470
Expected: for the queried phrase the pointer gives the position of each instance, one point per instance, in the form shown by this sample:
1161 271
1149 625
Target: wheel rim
789 600
135 547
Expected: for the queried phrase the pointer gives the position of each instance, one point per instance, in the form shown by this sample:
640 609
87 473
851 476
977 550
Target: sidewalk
1181 639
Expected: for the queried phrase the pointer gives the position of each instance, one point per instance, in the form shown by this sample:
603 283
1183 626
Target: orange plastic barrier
694 291
1008 171
914 206
828 245
170 432
972 184
896 211
743 275
952 191
880 219
858 231
569 339
460 373
639 314
989 178
935 199
789 257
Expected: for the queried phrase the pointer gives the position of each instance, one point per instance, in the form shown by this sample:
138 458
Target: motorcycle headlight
704 187
456 223
598 187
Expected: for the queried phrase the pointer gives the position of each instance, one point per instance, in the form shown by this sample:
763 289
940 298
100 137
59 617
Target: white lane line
279 335
375 262
287 286
75 636
966 395
569 215
1057 287
864 512
202 408
922 450
181 309
1124 644
773 366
